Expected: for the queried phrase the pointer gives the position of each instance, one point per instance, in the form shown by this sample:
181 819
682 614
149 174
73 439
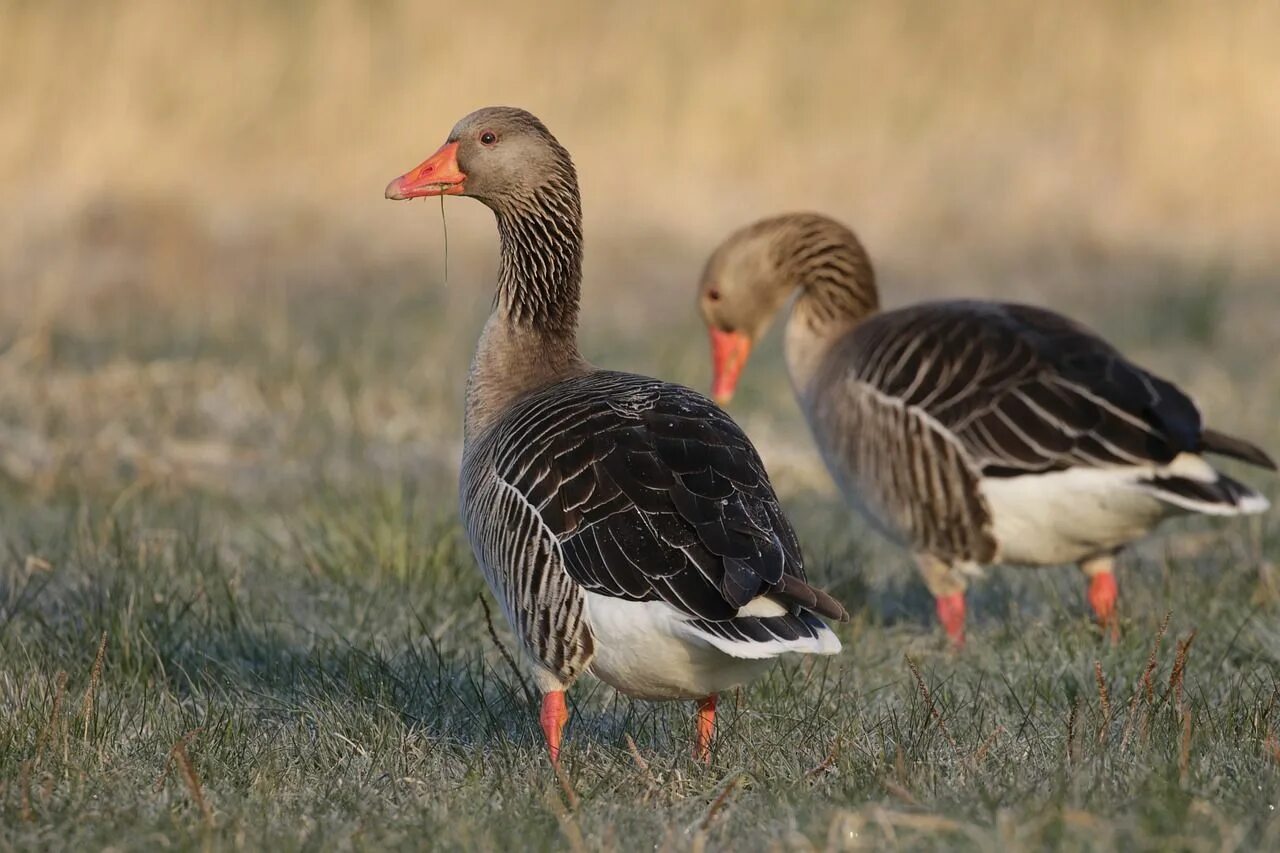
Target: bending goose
973 432
626 525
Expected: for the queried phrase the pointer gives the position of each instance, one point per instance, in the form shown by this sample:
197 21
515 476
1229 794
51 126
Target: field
236 608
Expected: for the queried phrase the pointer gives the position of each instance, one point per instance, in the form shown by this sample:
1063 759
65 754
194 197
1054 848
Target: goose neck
836 291
540 263
530 338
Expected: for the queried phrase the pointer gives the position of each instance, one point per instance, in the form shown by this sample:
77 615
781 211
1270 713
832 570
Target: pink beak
729 351
437 175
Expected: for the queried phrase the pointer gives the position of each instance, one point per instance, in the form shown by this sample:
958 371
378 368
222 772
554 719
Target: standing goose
973 432
626 525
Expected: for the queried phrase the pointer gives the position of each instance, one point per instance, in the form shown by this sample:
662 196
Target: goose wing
654 494
1024 390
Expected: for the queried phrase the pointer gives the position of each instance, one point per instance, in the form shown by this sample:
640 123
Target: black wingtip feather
1212 441
796 591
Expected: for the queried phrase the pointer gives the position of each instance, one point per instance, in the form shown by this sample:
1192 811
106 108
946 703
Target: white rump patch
648 649
762 606
1066 516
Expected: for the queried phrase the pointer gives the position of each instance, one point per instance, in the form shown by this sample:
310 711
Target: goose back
1024 390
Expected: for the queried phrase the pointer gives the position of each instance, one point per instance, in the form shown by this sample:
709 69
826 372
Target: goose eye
488 138
713 295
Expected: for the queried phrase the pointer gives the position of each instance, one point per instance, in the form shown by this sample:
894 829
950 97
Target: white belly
1066 516
643 649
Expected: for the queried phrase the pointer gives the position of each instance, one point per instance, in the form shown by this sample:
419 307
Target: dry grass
258 694
974 119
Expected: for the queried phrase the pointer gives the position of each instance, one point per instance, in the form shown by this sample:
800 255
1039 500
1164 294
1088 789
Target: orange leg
946 582
706 728
553 717
1102 598
951 615
1102 592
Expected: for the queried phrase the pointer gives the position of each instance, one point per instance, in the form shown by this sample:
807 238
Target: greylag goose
972 432
625 525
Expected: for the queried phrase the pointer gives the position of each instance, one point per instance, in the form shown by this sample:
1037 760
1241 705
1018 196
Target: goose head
741 289
756 270
502 156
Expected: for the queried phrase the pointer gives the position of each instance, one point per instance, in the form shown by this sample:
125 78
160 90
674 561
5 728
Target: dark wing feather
654 493
1023 389
1212 441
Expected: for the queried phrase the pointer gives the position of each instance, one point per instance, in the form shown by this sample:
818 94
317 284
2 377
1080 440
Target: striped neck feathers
827 263
824 261
540 267
530 339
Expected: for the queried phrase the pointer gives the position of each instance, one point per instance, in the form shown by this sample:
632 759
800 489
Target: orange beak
438 175
729 351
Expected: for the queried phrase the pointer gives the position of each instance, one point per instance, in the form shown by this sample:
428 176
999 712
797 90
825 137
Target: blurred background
202 288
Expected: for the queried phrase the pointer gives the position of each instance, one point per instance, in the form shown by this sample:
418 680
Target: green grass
295 654
335 686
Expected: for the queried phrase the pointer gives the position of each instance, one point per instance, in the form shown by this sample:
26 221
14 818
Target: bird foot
1102 598
951 615
706 729
553 717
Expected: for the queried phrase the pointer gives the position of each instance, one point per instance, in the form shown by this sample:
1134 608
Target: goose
971 432
626 525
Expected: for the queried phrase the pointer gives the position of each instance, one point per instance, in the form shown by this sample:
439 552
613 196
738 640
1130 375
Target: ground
237 609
